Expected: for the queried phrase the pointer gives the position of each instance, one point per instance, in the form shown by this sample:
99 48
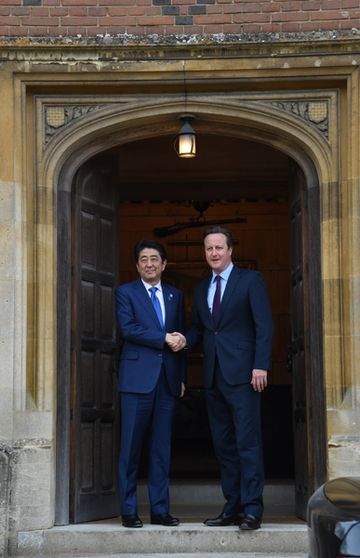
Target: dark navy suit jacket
144 349
242 336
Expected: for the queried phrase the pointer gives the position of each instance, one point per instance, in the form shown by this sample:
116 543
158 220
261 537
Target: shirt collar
148 286
224 274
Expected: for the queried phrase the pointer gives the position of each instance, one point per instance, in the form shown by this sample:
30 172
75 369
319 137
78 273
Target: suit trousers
146 415
235 421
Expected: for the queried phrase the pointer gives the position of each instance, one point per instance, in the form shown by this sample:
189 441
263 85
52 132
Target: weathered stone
256 86
4 494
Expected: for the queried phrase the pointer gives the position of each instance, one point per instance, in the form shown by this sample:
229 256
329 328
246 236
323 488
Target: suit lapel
231 284
168 297
168 302
144 300
203 298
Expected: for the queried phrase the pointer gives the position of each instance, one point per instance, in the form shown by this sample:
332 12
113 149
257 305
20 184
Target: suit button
215 332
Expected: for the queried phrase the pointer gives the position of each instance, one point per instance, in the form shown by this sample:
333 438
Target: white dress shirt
158 293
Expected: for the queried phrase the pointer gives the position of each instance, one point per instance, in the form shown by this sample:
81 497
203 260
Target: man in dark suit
151 378
232 315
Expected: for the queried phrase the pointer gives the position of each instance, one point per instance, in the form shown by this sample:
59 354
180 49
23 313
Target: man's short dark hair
218 229
142 244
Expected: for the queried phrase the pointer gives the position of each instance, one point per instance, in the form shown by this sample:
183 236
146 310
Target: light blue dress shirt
224 279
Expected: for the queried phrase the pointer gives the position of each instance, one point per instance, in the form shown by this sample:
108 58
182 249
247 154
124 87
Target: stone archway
93 134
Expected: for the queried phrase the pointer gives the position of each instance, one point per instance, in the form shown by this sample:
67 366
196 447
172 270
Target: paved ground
212 555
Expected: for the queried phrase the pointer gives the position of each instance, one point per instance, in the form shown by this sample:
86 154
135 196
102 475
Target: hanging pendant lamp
185 143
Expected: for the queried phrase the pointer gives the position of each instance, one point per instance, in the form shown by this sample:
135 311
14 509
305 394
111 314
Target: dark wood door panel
298 258
94 441
87 378
305 352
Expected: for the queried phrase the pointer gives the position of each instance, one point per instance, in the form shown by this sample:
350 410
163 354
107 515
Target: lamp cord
185 88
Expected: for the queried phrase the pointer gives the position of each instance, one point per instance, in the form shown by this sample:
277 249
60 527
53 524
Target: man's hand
183 388
175 340
259 379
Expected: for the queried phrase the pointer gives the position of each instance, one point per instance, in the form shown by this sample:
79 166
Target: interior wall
261 242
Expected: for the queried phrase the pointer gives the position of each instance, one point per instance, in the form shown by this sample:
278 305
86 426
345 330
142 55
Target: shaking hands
175 340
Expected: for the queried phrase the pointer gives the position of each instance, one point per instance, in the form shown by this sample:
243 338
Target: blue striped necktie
157 305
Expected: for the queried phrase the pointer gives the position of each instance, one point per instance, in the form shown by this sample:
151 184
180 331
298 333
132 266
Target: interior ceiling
224 168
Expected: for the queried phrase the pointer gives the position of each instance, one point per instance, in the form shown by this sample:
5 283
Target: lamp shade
186 139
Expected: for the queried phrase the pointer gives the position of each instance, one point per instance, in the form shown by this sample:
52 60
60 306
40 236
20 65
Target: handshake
175 340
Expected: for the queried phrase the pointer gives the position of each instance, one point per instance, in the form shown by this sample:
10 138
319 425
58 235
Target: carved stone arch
98 131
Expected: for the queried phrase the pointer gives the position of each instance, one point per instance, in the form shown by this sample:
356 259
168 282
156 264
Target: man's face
150 265
217 252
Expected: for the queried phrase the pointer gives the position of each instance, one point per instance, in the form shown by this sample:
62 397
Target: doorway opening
130 192
243 185
260 231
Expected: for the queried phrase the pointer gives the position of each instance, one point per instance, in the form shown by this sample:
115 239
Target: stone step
197 555
109 538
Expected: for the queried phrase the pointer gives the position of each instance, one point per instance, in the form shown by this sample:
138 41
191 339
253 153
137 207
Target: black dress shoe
164 519
250 523
132 521
223 520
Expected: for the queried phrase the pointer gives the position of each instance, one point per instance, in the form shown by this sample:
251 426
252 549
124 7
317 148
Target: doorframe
317 436
315 409
316 396
63 353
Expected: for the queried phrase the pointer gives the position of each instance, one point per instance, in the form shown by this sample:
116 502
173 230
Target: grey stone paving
189 539
211 555
282 535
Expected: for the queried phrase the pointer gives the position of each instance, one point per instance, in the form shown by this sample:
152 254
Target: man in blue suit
151 378
232 315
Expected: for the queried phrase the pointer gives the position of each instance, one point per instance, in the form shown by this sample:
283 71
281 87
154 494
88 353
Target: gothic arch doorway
95 199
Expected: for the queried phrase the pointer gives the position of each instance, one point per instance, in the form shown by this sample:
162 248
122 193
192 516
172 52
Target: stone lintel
152 47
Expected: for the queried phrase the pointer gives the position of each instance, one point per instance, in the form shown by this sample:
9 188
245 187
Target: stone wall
26 492
27 231
4 499
131 19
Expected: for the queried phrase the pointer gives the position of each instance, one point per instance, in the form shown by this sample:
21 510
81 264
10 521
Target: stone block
4 491
6 202
344 456
32 487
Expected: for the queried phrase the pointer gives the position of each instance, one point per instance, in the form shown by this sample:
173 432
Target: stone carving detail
56 117
315 113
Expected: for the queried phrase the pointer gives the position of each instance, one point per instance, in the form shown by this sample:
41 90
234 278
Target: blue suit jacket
241 339
144 349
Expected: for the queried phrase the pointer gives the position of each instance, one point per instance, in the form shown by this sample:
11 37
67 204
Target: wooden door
306 348
94 424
